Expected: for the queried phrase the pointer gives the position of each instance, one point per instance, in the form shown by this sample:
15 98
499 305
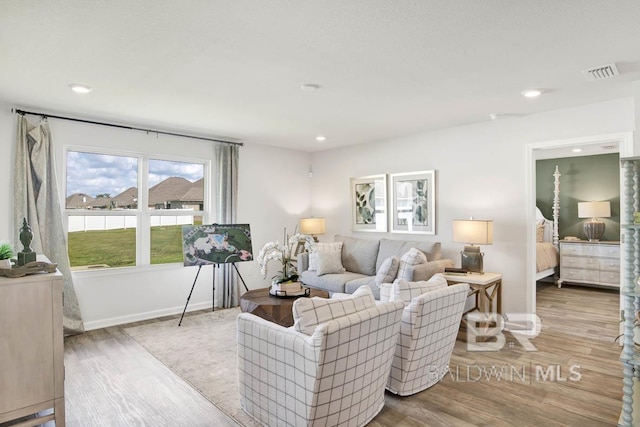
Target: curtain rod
23 112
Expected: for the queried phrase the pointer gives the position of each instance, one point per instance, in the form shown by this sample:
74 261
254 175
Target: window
125 210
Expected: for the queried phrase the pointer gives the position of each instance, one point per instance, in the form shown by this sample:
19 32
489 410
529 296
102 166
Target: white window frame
142 214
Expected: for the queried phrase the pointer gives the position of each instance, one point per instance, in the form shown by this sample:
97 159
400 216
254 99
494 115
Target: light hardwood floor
112 381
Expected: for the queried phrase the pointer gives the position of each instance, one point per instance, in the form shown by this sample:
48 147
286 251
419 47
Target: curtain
35 197
227 197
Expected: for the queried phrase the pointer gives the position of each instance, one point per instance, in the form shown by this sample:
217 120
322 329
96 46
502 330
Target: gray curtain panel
35 197
227 202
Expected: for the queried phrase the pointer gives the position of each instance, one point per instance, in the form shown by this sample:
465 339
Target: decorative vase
5 263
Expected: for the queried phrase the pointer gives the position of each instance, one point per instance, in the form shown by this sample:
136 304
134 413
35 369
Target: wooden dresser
31 348
590 263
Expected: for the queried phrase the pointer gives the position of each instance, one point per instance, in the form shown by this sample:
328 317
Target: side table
274 309
487 288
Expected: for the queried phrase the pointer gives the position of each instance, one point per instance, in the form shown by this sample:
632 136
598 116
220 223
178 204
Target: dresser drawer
610 251
577 262
610 264
610 277
591 250
570 249
573 274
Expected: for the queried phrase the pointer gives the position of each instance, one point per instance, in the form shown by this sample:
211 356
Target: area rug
203 352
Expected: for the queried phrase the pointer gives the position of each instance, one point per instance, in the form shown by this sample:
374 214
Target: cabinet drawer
572 274
610 264
576 262
610 251
591 250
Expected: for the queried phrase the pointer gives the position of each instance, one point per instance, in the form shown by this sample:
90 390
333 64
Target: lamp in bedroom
594 228
473 232
312 227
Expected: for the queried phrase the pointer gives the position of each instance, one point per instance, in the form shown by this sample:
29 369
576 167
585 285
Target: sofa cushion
405 291
328 282
310 312
388 270
427 270
322 247
409 259
400 247
329 262
359 255
352 285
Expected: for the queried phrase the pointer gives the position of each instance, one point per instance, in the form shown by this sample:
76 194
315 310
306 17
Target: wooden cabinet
31 348
590 263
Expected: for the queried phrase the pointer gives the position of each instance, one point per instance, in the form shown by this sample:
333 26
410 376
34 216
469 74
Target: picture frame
369 203
413 206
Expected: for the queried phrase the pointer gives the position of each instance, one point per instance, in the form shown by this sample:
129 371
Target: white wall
274 191
481 172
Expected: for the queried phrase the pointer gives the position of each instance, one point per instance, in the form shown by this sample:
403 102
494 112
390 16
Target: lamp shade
594 209
473 231
312 226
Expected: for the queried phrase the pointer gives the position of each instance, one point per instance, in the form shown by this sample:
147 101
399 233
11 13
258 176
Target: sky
95 174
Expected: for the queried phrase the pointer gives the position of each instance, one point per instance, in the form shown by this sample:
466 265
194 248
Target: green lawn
117 248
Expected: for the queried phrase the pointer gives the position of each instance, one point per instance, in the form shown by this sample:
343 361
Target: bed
547 256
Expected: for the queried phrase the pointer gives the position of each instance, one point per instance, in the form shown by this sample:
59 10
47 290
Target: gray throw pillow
388 270
329 262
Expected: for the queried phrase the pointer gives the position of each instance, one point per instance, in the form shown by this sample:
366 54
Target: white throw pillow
388 270
412 257
321 247
329 262
310 312
406 291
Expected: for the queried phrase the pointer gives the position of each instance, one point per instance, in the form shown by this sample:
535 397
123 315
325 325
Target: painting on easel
216 244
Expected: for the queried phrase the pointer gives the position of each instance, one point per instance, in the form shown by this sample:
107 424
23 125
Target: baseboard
121 320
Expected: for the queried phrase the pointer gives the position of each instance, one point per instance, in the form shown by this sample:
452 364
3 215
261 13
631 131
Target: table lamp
473 231
593 228
312 226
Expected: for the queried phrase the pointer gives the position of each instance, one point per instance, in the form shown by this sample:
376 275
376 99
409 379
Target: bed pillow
540 233
412 257
321 247
329 262
388 270
310 312
405 291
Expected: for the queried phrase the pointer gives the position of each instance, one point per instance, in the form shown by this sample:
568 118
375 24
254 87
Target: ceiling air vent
601 72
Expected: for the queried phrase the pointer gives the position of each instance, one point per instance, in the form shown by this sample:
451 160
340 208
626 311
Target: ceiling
234 69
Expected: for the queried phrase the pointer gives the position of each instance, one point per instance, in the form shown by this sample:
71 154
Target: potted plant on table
6 252
287 278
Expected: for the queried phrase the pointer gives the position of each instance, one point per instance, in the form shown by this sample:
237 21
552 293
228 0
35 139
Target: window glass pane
166 237
101 181
101 242
176 185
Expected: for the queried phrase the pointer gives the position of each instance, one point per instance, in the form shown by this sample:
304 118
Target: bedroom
562 183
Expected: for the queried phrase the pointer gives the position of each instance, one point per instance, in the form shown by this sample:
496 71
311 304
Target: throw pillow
540 233
388 270
412 257
405 291
321 247
310 312
329 262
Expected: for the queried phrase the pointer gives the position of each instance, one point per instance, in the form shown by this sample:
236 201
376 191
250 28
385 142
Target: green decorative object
26 236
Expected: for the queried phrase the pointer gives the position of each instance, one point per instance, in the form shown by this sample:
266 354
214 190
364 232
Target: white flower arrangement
283 253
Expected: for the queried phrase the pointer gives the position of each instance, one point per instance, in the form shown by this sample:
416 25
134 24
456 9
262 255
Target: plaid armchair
430 324
335 376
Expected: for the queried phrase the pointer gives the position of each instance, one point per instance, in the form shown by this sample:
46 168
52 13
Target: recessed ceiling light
310 87
80 88
577 150
321 138
531 93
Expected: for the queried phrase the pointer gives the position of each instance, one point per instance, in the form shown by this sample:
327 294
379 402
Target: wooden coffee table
274 309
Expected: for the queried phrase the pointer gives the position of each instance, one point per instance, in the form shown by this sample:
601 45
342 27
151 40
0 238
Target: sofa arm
303 262
425 271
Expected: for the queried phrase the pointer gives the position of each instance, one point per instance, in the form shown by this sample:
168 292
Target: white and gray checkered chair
334 377
430 324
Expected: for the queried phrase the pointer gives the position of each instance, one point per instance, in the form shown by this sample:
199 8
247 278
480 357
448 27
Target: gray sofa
362 258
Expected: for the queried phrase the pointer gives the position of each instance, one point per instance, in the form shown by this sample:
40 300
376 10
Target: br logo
485 330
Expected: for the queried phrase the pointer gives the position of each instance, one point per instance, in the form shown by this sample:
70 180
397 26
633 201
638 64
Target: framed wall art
413 205
369 203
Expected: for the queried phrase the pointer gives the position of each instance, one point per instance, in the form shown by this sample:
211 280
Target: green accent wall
582 179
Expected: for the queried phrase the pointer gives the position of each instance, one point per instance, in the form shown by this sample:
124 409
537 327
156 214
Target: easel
226 291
